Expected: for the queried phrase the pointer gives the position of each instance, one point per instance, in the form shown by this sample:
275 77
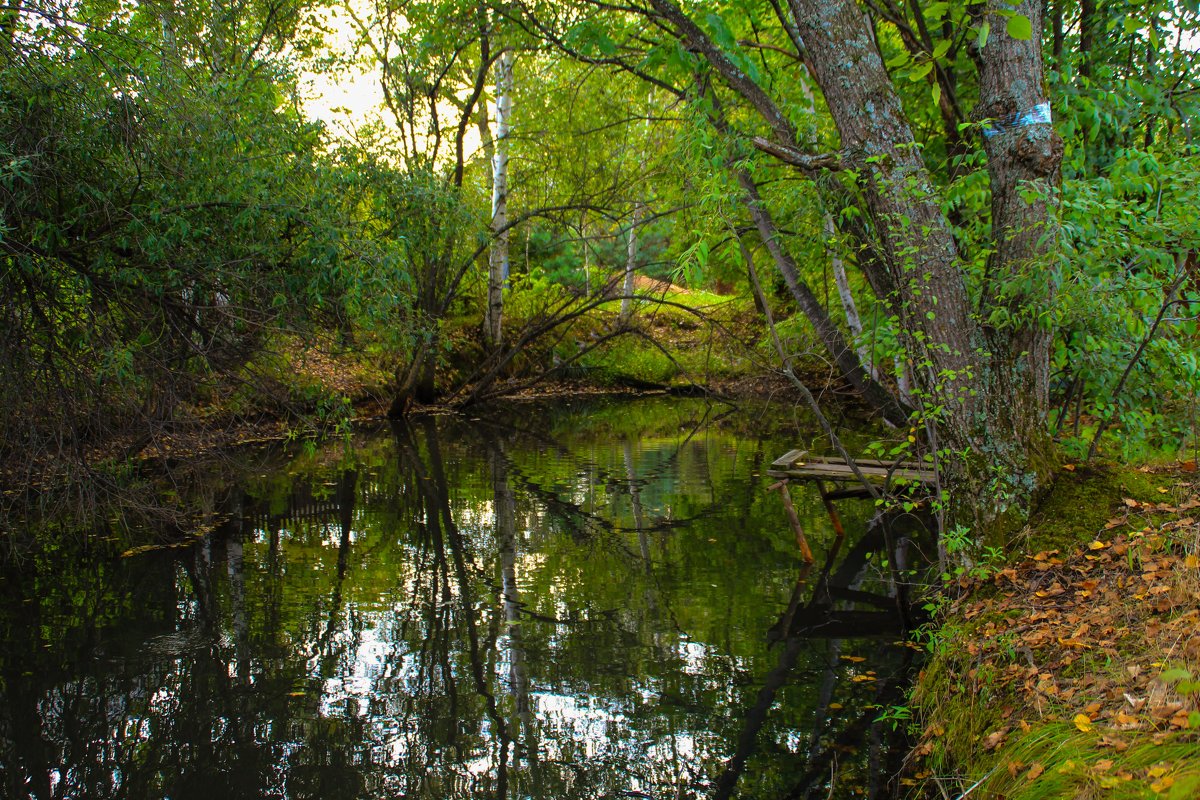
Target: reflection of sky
633 670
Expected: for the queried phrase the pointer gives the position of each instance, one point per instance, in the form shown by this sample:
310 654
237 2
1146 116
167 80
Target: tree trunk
1087 36
853 321
498 264
831 337
631 256
987 387
1024 159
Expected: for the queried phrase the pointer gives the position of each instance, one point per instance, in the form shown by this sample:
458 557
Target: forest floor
1072 668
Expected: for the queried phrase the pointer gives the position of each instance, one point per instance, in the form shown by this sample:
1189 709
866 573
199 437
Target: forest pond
588 600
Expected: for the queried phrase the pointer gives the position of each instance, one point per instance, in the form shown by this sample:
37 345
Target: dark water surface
598 602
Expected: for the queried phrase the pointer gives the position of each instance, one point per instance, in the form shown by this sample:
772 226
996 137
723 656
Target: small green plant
896 715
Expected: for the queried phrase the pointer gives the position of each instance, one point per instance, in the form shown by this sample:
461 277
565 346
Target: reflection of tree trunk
504 504
345 497
438 496
635 499
756 717
235 565
825 696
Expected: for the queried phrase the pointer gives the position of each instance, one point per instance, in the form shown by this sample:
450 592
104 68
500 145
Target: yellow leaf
1161 786
1083 722
1192 561
835 706
1156 772
1097 545
855 659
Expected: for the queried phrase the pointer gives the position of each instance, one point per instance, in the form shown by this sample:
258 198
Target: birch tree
498 265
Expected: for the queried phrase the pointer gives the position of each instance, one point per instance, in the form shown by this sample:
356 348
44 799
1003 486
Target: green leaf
937 10
937 93
984 30
920 71
1019 27
1173 675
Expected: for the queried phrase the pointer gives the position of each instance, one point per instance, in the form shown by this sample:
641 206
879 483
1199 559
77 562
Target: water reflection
555 610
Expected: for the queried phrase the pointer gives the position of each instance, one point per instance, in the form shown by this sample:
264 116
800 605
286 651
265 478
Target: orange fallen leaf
1161 785
1034 772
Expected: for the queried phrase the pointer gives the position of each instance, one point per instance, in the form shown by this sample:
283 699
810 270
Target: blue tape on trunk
1038 115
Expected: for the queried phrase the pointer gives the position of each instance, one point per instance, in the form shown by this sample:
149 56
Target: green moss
1079 502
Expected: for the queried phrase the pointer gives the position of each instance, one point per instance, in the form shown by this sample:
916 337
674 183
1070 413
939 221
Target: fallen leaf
1160 786
995 739
1083 722
1035 771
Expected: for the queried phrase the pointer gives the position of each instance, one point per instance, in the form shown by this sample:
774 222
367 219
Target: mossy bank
1072 669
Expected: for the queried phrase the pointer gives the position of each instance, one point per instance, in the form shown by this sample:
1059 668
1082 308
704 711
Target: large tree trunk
498 257
986 386
1024 159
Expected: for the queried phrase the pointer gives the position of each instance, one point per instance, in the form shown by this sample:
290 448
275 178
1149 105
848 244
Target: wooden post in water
833 515
797 528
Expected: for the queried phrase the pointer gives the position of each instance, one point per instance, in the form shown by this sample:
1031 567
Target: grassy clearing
1073 671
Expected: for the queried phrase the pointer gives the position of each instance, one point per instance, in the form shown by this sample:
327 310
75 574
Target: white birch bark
498 262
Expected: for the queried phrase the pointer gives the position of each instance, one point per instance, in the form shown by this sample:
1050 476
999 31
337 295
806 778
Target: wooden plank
797 464
842 472
867 462
788 459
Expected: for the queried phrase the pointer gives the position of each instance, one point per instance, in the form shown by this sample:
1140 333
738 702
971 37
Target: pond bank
1073 668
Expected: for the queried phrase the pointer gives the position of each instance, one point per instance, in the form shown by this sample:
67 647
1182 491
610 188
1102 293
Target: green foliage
162 205
1126 240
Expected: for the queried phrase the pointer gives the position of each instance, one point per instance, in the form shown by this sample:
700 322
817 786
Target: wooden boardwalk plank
796 465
